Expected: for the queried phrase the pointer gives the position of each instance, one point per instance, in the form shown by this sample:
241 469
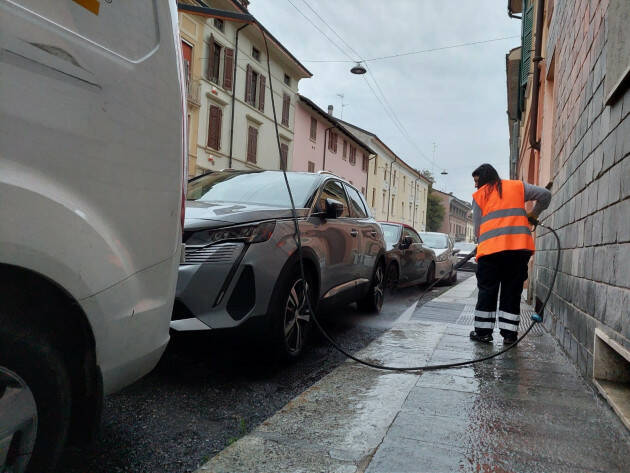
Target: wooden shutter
210 71
284 155
261 97
248 84
345 148
228 68
286 104
334 142
526 51
252 144
364 164
214 127
313 129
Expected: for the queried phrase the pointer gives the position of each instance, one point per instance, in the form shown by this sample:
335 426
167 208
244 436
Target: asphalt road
210 389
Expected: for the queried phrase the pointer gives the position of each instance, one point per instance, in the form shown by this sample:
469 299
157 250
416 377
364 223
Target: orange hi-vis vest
504 224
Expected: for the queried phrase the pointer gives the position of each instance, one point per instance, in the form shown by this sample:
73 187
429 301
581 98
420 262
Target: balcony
193 93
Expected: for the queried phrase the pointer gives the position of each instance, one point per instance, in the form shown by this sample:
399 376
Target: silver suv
241 266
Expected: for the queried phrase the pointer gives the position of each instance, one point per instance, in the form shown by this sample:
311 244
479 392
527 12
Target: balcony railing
193 93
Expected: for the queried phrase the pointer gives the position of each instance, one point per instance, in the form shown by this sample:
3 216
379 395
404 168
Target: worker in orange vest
504 246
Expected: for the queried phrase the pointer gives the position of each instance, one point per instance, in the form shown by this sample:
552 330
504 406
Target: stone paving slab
526 411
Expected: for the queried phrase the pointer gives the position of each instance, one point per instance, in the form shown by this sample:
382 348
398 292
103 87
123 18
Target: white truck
92 173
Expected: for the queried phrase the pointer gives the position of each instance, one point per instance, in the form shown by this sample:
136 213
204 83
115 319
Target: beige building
231 116
396 192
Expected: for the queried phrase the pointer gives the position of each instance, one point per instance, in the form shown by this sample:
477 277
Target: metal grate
220 253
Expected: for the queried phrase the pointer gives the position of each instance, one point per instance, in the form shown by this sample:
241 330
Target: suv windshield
391 234
262 187
435 240
464 246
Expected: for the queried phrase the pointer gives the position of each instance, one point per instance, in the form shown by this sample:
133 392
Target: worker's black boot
481 337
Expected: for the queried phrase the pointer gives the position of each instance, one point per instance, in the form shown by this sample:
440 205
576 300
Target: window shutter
284 155
261 98
526 51
334 143
364 163
345 148
313 134
210 71
214 127
286 103
248 84
252 142
228 66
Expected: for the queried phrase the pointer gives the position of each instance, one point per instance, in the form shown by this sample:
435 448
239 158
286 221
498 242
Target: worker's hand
533 219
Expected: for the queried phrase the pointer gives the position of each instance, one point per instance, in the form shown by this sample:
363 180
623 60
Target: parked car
408 260
92 156
464 250
445 259
241 266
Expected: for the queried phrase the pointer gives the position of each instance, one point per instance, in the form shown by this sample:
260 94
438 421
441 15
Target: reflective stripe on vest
504 225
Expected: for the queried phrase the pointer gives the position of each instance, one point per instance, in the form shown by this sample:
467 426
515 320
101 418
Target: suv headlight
256 233
442 257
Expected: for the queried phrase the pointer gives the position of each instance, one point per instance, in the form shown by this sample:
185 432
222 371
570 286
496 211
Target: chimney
330 110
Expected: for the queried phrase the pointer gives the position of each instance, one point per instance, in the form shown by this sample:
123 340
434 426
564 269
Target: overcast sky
455 98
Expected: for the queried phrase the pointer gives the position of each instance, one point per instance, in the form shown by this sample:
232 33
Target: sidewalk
526 411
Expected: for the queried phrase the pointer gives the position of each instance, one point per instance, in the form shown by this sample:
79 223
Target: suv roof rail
327 172
227 169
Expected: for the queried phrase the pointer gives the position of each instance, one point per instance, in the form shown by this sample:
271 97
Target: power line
410 53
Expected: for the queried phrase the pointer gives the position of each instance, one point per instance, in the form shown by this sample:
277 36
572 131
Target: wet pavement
525 411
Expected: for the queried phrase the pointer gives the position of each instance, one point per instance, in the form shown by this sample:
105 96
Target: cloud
455 98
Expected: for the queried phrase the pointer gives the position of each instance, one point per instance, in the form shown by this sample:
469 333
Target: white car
445 259
92 148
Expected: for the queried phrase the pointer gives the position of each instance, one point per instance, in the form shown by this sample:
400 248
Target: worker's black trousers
507 271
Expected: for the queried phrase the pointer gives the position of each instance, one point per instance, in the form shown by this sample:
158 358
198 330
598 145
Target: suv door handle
354 233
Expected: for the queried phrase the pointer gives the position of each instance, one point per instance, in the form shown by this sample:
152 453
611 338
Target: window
214 60
409 209
215 118
362 190
402 209
383 209
375 164
311 166
356 204
345 150
284 156
393 207
218 24
333 190
385 173
214 64
332 141
373 197
404 182
364 162
187 56
255 53
255 89
286 106
394 177
313 134
252 143
353 155
287 80
415 238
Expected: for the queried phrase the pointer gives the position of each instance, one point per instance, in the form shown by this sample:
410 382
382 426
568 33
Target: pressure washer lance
536 318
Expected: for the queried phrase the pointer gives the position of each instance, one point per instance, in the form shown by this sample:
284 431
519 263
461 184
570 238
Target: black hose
298 242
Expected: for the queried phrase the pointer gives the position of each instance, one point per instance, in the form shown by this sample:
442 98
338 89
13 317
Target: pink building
322 143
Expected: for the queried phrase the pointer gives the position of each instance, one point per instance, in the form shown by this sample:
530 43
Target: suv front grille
219 253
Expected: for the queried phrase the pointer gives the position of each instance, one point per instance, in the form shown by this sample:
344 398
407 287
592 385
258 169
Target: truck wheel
373 300
35 402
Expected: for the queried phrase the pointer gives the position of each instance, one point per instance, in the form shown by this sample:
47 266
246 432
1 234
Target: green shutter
526 52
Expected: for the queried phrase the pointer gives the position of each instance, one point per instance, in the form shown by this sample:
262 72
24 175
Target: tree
428 174
435 212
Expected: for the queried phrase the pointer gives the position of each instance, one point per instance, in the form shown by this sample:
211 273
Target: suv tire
373 300
291 317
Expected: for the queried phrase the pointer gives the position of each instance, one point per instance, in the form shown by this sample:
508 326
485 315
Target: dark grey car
408 260
241 266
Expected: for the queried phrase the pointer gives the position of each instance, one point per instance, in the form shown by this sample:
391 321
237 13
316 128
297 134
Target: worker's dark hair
488 175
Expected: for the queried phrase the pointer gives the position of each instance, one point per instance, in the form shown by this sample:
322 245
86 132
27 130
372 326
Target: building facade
323 143
396 192
457 216
571 132
233 111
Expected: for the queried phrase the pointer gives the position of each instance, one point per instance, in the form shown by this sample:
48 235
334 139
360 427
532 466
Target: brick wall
591 189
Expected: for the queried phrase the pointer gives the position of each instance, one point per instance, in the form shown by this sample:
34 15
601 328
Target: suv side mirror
455 251
406 243
334 208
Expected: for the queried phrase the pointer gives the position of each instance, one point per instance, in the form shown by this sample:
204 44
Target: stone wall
591 189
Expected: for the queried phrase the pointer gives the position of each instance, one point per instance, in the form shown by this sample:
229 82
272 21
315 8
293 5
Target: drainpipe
534 143
389 190
367 174
324 157
234 93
